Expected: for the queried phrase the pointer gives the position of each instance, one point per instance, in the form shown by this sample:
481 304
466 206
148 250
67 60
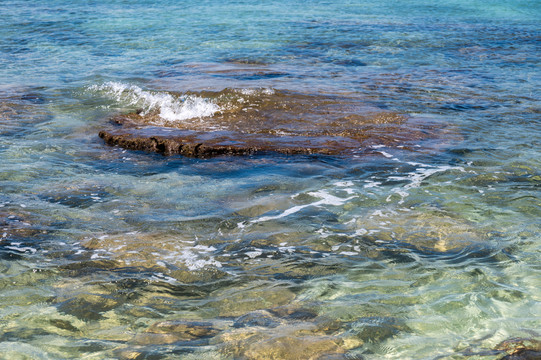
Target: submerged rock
75 196
290 348
18 225
294 313
188 330
431 231
271 318
256 318
21 110
139 353
520 349
88 306
282 343
242 302
189 263
20 234
248 122
288 332
377 329
168 332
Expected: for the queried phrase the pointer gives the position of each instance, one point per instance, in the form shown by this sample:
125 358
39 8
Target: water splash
170 108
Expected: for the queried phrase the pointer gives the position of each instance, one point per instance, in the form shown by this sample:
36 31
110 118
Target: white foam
253 254
203 248
343 183
386 154
265 91
193 262
22 248
163 277
417 177
288 249
360 232
370 184
326 199
287 212
170 108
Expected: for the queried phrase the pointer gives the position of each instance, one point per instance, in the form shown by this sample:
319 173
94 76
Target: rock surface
520 349
268 121
168 332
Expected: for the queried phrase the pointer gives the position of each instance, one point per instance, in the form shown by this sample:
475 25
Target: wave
169 107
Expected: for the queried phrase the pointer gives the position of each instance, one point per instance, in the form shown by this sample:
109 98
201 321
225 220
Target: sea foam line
416 178
325 199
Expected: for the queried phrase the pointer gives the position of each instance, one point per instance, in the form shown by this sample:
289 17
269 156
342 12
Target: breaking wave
168 106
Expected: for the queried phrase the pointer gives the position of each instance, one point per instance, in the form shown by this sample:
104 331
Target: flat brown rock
267 121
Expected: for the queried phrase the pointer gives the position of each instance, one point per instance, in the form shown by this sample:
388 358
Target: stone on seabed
292 348
520 349
168 332
246 301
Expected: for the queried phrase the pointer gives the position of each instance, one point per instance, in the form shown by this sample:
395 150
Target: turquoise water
425 252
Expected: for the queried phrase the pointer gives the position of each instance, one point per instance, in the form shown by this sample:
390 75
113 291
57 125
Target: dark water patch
294 313
468 151
256 318
106 52
465 107
77 196
25 333
127 285
24 277
21 234
12 254
249 75
403 253
34 98
179 292
86 346
61 32
297 268
247 61
179 330
324 45
88 307
349 356
377 329
21 110
170 62
525 348
13 45
167 73
133 282
349 62
478 254
397 256
64 325
88 267
294 265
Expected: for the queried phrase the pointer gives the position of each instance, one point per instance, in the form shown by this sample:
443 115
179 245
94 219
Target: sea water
429 251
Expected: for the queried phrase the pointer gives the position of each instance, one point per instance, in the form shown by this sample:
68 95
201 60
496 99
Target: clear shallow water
398 253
